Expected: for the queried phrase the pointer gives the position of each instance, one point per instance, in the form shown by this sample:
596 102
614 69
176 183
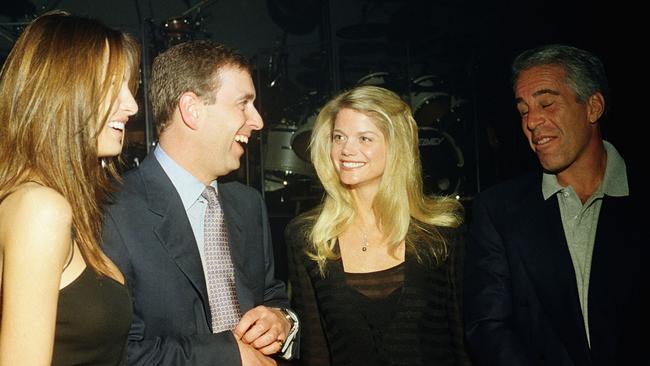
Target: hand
264 328
252 357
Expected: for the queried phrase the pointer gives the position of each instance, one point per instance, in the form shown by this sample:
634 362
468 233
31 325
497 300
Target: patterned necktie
220 272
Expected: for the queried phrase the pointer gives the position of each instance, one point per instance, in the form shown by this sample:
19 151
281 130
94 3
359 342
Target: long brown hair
53 91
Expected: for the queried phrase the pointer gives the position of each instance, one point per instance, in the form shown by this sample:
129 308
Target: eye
544 105
523 112
337 137
365 139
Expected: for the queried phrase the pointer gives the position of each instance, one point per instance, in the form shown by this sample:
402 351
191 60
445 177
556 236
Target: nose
534 118
348 147
254 119
127 101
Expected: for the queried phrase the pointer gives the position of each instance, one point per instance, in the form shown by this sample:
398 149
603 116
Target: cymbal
363 31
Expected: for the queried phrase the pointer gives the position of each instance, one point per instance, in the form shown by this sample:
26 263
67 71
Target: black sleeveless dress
93 320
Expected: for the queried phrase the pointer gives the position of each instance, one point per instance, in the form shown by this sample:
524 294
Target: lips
117 125
352 164
540 138
241 138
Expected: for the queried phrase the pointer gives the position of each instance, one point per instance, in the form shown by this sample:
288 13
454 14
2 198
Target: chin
107 153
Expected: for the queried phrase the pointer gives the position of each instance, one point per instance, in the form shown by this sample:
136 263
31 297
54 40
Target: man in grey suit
202 96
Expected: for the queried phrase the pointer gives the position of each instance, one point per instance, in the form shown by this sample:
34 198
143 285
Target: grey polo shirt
581 220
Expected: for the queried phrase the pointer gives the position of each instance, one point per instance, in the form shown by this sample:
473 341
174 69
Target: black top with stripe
416 323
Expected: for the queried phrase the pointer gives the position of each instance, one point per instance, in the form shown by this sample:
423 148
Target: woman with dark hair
373 269
66 93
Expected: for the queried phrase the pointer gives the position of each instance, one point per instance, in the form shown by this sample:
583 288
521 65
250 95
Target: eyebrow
538 93
359 133
246 97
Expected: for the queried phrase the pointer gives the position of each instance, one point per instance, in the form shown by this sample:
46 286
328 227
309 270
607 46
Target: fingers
268 339
272 348
246 321
252 357
263 328
259 335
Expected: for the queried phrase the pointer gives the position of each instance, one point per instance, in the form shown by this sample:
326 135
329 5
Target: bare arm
35 239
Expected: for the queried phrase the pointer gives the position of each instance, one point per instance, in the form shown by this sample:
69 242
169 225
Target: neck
185 154
586 174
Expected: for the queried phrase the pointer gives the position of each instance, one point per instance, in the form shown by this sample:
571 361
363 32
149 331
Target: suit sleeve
303 298
200 349
275 292
488 297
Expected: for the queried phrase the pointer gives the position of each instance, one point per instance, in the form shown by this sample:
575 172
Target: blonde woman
65 97
372 269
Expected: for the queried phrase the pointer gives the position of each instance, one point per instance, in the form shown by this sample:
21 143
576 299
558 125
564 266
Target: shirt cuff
289 342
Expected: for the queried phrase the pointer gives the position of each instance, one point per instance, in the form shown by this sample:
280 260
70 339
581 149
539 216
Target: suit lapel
615 267
173 229
542 245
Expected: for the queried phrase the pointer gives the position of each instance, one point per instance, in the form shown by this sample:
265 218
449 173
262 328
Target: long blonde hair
403 211
53 89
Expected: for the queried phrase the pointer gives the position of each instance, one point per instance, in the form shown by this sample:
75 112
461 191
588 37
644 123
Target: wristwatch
290 316
293 320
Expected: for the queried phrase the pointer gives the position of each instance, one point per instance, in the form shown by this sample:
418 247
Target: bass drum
442 162
281 164
430 100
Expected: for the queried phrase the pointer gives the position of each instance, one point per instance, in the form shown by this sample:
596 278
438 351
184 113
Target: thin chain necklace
364 248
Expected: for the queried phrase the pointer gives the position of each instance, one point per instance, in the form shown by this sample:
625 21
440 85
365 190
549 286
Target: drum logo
431 141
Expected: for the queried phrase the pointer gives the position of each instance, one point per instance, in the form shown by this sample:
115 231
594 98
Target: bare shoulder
39 202
36 208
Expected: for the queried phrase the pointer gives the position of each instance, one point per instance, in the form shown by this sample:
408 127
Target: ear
189 106
595 107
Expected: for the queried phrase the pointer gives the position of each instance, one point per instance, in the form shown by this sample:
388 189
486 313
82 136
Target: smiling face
358 150
228 123
111 137
558 127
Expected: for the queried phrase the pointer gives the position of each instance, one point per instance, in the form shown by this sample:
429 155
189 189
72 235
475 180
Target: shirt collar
614 182
188 187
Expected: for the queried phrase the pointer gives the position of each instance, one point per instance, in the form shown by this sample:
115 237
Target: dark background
448 59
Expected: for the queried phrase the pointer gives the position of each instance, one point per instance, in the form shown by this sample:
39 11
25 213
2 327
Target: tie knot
210 194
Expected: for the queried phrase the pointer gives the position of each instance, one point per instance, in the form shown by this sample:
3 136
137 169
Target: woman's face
358 149
111 137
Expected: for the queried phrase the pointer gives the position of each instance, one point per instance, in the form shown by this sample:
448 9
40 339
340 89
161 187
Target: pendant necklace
365 241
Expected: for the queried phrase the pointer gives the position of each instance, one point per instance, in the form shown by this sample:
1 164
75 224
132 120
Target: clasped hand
264 328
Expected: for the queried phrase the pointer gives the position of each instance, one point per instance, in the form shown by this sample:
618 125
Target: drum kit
287 162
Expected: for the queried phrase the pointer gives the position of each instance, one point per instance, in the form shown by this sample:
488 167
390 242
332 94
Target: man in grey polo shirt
555 257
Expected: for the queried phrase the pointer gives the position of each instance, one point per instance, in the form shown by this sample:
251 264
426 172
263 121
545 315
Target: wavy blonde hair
53 91
403 211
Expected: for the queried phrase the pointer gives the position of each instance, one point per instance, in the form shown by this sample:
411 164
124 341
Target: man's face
557 126
229 122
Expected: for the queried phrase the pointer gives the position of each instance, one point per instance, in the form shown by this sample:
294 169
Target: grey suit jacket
521 300
148 235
